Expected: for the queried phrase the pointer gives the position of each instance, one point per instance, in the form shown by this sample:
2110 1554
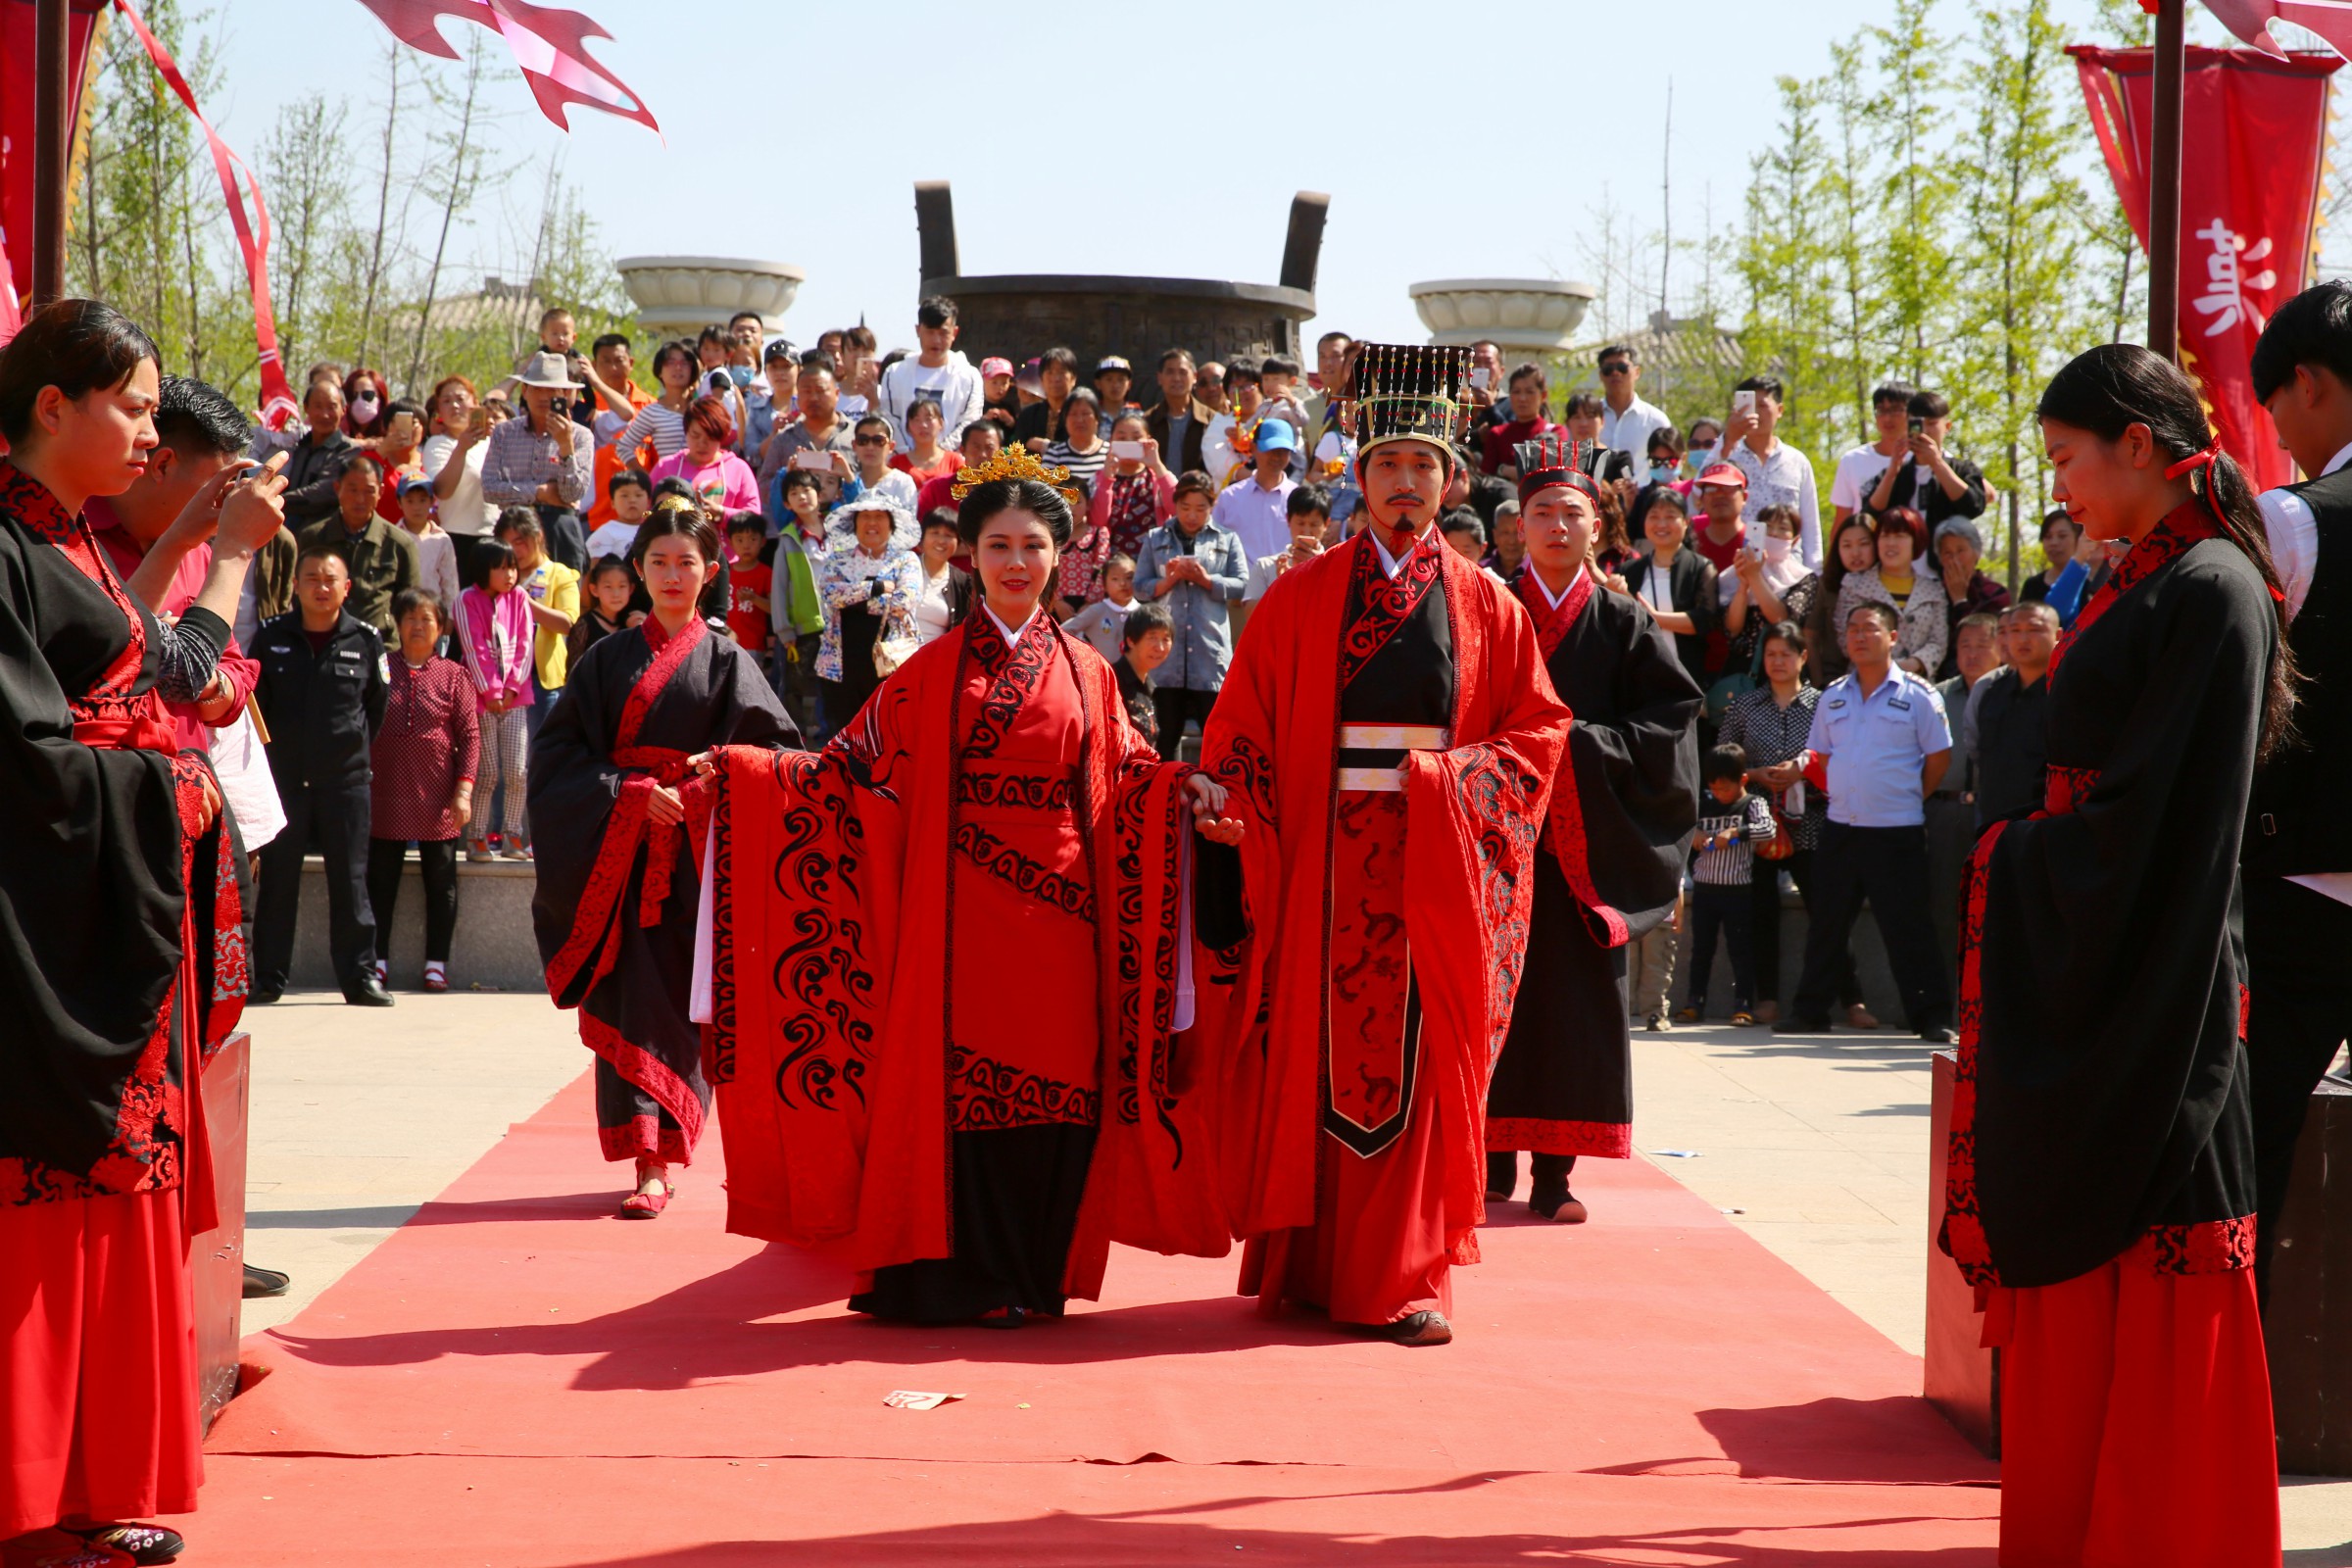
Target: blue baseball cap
1276 435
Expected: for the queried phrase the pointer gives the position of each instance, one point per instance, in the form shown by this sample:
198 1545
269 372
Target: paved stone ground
1816 1145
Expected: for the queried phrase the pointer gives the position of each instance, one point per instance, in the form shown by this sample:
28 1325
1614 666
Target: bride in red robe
943 963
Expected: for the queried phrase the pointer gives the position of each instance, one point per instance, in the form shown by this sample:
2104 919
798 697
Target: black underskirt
1016 1196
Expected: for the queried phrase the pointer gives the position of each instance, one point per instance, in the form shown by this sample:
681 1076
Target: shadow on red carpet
1653 1383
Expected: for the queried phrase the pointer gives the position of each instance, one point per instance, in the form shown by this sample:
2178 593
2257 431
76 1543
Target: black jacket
1691 588
322 709
310 472
2295 825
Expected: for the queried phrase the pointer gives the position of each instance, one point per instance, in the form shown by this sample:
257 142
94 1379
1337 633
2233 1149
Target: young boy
1104 623
795 612
632 495
747 582
1465 535
871 435
1307 510
1278 382
1148 636
1730 821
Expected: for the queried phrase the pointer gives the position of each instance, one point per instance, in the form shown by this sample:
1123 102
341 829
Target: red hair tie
2195 460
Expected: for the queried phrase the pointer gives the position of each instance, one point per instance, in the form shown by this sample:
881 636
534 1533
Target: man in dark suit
2298 853
1178 421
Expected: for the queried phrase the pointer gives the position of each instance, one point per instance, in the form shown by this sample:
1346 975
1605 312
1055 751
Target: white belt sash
1387 738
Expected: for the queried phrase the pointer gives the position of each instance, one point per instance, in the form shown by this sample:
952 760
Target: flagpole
53 129
2163 185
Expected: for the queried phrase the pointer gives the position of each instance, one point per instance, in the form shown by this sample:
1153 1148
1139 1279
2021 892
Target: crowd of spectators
502 514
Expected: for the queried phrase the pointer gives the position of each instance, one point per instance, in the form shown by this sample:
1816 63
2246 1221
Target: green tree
2023 210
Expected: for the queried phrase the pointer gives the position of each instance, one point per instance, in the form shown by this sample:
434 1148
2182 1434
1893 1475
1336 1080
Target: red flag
278 405
17 136
2253 129
2250 21
550 44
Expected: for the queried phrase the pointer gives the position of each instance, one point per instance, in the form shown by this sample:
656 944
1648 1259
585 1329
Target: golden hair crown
1015 463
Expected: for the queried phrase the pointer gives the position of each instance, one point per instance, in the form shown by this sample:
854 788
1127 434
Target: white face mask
1775 550
363 409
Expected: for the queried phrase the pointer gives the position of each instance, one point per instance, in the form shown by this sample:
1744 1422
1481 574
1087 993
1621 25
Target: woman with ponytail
2101 1187
617 880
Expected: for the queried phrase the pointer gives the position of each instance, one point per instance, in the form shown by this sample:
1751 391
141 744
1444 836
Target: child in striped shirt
1721 863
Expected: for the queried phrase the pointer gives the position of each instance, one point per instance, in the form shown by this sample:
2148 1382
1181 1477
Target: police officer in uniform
1879 745
321 695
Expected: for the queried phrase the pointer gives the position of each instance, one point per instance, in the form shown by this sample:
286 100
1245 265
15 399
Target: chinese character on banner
2253 132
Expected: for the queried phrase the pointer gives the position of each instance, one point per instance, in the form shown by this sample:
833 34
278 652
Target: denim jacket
1203 628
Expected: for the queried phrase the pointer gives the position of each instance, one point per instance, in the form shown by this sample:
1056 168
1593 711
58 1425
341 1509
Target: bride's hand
1208 803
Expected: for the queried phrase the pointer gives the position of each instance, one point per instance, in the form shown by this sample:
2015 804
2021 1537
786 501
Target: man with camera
1923 475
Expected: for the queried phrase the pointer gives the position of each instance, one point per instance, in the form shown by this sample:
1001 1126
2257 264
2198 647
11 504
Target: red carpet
518 1379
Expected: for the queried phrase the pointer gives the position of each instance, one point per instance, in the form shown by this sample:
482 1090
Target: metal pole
53 131
2164 182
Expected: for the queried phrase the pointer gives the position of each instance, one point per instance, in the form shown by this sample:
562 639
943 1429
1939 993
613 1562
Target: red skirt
98 1364
2135 1421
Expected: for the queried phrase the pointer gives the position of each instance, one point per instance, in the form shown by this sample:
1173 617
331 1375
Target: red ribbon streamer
278 405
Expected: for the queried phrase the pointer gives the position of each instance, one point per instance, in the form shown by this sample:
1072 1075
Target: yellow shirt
1899 587
557 586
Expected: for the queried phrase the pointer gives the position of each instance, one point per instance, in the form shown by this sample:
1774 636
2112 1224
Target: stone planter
1520 315
685 293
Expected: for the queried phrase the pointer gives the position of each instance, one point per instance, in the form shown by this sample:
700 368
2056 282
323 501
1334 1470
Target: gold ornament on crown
1015 463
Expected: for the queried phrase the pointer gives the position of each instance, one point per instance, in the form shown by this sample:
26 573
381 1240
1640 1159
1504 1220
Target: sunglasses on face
1615 367
871 441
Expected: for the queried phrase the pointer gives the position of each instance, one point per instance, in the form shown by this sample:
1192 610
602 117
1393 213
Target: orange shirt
609 462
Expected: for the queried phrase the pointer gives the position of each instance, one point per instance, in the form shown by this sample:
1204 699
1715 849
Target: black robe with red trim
109 970
2101 1094
1564 1083
614 908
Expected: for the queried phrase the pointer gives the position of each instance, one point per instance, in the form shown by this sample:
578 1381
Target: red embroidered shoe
648 1205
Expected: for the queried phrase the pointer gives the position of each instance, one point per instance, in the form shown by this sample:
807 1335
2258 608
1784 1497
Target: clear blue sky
1171 139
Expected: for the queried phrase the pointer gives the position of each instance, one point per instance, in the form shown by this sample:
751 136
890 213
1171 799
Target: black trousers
1726 907
337 813
2297 942
1174 704
439 859
1764 920
1889 866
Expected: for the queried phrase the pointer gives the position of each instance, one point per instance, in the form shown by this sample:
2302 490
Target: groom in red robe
1390 739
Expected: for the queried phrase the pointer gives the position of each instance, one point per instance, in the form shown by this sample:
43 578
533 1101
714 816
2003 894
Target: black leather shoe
1801 1026
1937 1036
1412 1329
265 1282
368 992
262 998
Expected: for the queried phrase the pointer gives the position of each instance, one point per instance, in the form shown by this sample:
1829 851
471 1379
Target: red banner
2253 132
278 405
17 134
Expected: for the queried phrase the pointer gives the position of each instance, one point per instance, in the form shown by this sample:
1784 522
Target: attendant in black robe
1563 1086
121 953
614 908
2100 1184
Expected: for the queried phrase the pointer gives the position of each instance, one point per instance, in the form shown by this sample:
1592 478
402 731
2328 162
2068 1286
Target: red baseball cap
1725 475
994 366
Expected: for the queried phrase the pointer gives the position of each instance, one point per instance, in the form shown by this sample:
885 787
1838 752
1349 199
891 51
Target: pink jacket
485 615
738 488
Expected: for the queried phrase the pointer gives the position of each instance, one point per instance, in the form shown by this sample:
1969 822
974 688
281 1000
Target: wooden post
53 131
2164 181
